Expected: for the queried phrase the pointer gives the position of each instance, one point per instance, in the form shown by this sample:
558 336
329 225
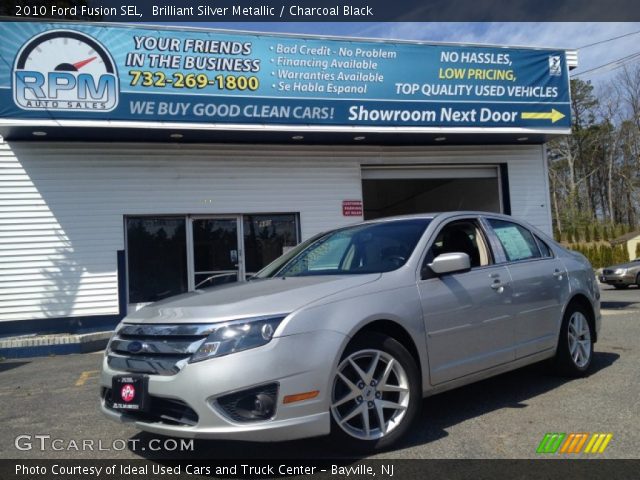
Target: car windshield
367 248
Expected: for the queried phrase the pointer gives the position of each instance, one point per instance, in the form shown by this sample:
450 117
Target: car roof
433 215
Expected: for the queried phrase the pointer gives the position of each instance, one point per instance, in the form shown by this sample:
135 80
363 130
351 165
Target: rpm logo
65 70
127 392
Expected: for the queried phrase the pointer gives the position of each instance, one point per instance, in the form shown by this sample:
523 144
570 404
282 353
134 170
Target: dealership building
141 162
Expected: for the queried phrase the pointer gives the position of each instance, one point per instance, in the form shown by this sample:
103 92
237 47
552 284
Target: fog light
263 406
255 404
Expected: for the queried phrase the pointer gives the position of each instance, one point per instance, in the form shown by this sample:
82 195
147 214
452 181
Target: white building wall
62 204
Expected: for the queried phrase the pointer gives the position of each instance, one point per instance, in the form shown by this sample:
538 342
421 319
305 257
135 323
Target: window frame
546 245
498 244
485 238
127 252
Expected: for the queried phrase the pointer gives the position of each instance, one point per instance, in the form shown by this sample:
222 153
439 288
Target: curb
59 344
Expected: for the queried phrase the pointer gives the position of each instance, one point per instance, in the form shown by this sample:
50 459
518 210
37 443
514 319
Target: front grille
165 410
155 349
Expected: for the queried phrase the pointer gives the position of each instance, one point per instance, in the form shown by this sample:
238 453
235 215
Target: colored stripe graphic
573 443
550 443
598 443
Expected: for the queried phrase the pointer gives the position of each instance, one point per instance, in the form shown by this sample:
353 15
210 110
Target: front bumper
611 279
298 363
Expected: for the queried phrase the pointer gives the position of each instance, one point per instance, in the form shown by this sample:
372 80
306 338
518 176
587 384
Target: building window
156 256
266 237
215 251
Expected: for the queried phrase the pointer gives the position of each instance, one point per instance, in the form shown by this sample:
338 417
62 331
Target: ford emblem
134 347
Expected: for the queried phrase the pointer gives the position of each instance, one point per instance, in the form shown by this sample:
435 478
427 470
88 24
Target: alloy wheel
370 394
579 339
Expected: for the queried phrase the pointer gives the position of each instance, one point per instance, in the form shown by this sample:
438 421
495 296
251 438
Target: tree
594 173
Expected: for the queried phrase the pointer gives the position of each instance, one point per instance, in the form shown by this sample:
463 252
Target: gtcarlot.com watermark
44 442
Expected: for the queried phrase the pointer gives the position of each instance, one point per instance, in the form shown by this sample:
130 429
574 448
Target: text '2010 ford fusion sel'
347 332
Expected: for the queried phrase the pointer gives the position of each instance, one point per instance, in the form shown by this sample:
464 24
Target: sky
556 34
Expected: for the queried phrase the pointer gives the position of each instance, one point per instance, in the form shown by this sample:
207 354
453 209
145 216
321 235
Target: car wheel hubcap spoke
370 394
357 410
579 338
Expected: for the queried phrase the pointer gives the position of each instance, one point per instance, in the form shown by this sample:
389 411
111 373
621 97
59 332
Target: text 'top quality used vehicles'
346 333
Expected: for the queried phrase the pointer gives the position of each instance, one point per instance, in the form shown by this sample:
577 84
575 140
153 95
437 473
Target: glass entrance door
216 258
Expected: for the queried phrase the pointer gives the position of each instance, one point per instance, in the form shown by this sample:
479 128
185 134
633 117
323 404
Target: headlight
115 331
236 336
620 271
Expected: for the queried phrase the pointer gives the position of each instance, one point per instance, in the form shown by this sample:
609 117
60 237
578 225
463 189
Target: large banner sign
74 71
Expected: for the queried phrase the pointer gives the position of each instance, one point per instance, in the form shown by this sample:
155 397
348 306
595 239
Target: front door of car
540 287
467 314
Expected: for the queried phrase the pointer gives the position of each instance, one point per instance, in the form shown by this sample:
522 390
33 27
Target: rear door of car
467 314
539 282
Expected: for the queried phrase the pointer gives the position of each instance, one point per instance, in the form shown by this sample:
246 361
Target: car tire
621 287
575 345
392 392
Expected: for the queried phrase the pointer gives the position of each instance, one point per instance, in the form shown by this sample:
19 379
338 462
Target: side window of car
518 242
545 251
461 236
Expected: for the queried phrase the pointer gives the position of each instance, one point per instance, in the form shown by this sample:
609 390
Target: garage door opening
400 191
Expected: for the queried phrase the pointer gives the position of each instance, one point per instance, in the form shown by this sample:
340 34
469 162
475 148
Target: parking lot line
84 376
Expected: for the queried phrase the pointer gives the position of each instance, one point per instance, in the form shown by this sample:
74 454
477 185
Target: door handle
558 274
498 286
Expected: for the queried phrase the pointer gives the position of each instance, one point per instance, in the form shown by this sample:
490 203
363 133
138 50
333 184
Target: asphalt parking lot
503 417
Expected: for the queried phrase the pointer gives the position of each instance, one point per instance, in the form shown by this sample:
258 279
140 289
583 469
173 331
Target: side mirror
450 263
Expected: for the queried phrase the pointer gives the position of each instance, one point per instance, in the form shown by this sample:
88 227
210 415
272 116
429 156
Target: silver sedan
622 276
346 333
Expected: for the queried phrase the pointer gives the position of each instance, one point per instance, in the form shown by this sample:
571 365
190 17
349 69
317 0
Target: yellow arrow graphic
554 115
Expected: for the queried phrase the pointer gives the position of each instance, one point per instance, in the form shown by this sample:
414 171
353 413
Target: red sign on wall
352 208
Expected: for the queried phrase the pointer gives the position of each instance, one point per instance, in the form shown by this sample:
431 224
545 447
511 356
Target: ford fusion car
346 333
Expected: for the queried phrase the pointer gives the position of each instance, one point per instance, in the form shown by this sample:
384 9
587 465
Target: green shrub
618 230
574 235
605 254
594 257
598 255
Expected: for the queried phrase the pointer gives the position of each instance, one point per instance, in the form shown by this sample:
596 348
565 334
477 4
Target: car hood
624 265
271 296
